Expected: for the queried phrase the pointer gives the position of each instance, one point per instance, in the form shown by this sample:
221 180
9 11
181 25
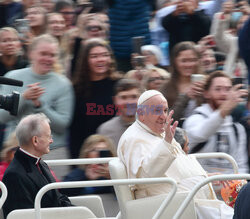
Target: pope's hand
170 129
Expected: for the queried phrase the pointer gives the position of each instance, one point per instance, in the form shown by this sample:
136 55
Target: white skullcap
146 95
155 50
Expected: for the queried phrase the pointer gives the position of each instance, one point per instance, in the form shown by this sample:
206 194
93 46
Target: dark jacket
186 27
23 181
242 204
78 174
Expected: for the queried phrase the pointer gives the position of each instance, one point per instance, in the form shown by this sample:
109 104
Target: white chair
92 202
146 207
96 205
52 213
3 198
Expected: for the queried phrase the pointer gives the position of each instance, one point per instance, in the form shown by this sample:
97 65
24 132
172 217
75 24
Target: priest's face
154 114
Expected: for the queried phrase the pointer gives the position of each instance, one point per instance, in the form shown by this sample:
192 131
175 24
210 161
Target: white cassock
146 154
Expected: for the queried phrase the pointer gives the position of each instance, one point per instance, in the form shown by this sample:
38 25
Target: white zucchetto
146 95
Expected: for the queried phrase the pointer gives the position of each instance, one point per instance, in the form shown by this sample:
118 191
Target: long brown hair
81 79
170 88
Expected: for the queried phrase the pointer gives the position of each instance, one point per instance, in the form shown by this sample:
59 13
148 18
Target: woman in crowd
181 93
10 50
93 82
93 147
37 20
67 9
88 26
7 154
153 55
154 79
56 27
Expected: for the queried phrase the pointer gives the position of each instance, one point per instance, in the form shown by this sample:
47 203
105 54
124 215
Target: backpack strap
199 146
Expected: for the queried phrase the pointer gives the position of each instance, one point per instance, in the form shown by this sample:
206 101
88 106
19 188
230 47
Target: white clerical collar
31 155
162 135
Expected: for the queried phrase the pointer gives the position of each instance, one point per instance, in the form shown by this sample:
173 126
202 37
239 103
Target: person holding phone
94 146
186 23
212 129
182 93
226 27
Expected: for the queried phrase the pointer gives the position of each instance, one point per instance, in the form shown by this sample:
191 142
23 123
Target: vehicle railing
97 183
78 161
207 180
218 155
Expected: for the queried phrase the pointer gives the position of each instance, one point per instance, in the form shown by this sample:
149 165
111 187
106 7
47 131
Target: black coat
23 181
186 27
242 204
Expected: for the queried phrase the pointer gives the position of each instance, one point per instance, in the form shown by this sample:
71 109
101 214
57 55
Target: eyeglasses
49 137
93 28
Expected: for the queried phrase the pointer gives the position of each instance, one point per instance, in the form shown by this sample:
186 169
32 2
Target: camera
10 102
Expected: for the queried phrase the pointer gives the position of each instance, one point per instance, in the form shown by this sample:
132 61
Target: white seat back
93 202
3 198
118 171
52 213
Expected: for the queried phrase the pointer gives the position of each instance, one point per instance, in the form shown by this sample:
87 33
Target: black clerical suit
24 178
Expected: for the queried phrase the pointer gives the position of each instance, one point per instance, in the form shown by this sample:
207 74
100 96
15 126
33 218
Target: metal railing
97 183
78 161
207 180
218 155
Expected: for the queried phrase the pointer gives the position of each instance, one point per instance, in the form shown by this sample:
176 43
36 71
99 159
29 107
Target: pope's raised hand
170 128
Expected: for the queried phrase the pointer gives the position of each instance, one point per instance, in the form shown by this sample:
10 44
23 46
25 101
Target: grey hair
30 126
180 136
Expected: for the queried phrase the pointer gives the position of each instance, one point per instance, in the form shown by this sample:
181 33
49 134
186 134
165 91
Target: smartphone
139 61
197 77
105 153
137 44
240 80
22 26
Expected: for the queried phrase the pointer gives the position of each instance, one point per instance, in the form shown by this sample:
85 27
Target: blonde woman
94 146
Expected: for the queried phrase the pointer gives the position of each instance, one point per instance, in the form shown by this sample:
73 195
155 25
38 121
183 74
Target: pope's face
155 112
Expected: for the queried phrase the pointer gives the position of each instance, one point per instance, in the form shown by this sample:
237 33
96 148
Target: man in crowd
211 128
27 173
148 149
127 92
43 91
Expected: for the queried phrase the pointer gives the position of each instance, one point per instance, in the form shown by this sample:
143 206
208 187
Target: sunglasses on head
155 79
92 28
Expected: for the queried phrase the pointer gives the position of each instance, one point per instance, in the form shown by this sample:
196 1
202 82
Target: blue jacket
128 18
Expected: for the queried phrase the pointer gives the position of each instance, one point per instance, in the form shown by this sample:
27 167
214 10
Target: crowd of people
113 75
